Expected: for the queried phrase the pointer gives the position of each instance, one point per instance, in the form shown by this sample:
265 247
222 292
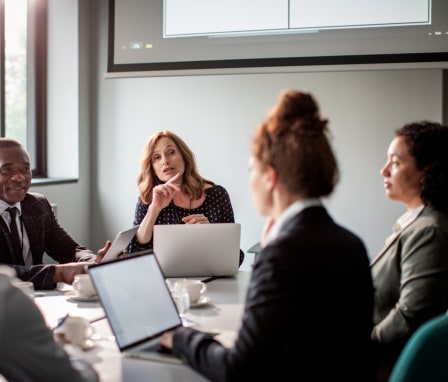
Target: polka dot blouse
216 207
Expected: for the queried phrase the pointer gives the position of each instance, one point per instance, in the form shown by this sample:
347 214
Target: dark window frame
37 48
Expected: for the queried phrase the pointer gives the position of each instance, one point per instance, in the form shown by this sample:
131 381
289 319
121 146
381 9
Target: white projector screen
167 35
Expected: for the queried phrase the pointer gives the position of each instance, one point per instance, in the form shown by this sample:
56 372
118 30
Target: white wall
63 84
68 129
216 115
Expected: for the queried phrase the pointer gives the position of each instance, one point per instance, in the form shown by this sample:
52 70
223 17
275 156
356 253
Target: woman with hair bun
309 305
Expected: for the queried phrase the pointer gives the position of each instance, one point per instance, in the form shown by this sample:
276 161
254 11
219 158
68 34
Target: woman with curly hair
411 273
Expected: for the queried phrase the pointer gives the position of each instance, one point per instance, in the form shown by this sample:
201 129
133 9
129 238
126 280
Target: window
23 77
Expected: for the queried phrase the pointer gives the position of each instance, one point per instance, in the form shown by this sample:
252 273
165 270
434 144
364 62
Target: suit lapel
8 244
29 222
392 240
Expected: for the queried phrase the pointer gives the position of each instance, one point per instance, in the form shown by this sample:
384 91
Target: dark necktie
15 238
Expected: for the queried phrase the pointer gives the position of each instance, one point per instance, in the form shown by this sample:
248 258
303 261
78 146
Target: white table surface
222 314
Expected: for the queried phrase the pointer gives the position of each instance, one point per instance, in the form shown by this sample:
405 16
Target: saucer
88 344
203 300
74 296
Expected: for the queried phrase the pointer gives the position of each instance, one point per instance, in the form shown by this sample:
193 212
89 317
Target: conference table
222 315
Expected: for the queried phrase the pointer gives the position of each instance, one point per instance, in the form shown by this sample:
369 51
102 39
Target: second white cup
77 330
195 288
83 285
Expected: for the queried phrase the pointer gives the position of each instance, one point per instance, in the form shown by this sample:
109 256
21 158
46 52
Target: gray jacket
410 277
28 351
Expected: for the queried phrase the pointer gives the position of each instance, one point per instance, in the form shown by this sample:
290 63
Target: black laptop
138 304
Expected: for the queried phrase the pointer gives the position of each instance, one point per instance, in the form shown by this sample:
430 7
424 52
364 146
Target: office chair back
425 357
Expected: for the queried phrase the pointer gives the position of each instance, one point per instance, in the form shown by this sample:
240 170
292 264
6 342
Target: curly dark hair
428 144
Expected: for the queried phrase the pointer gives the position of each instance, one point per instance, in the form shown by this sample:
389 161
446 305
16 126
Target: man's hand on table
66 273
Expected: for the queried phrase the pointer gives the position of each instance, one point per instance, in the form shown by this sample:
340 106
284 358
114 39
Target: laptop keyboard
157 348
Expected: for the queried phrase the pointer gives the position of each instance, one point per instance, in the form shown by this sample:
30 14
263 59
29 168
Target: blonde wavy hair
193 184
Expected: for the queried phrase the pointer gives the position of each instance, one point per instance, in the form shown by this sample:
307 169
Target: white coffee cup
195 288
77 330
83 286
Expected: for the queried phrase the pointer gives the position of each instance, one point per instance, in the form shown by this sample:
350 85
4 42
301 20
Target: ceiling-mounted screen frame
207 53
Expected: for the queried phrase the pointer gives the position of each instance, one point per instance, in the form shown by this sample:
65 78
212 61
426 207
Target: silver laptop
119 244
198 250
138 305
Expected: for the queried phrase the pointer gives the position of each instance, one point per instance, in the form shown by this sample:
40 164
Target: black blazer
45 236
308 311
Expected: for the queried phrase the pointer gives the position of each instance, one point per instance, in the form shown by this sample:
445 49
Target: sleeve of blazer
263 315
31 353
47 236
40 275
423 283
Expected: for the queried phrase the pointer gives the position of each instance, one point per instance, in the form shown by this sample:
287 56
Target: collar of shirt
407 218
288 214
4 206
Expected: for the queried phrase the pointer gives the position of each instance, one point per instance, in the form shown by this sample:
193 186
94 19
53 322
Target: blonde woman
173 192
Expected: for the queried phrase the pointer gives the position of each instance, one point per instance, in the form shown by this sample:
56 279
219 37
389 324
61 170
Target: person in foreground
309 306
29 351
38 229
411 273
173 192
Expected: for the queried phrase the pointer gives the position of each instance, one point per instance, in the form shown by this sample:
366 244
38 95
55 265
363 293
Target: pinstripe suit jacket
45 236
410 276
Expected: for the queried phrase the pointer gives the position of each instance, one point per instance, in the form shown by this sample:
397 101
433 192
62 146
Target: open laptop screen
135 297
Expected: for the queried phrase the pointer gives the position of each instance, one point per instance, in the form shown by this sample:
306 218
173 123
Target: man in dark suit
38 229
